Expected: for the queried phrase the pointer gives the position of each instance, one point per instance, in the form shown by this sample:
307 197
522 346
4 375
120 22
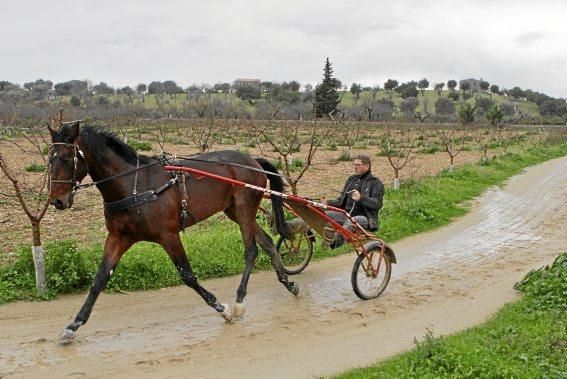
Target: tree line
390 101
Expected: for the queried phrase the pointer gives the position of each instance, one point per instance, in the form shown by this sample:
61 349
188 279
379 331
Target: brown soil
445 280
85 220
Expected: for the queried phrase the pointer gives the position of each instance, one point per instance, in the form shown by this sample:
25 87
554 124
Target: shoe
338 242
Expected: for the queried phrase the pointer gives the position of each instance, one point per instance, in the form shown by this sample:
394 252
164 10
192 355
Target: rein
233 164
76 185
132 201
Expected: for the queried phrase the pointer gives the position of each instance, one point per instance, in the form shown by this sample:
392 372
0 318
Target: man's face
359 167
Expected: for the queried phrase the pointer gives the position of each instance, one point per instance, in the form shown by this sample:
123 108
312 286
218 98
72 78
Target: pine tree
326 95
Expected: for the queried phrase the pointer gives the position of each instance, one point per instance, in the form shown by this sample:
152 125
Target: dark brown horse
143 202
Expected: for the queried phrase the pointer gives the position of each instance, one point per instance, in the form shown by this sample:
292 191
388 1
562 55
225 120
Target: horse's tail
276 184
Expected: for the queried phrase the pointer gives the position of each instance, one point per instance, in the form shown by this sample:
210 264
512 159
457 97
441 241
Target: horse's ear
74 130
52 131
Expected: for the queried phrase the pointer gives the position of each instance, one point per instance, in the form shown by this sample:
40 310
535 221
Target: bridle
75 184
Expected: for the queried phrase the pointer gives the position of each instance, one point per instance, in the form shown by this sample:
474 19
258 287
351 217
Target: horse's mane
100 139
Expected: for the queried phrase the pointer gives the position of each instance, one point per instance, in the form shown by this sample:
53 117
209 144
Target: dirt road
445 280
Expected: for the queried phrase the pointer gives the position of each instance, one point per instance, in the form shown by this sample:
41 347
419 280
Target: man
362 197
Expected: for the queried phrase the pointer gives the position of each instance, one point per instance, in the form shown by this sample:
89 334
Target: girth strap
137 199
184 205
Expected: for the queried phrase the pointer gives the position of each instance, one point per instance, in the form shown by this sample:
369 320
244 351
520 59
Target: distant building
473 83
247 82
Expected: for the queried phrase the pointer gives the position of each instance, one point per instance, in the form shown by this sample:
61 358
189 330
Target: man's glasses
359 164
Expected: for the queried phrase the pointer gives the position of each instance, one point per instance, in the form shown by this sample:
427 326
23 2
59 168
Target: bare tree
287 141
205 133
505 137
535 137
398 146
160 131
348 134
453 141
484 138
32 194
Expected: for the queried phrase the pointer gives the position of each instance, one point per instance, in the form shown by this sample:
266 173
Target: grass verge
526 339
215 249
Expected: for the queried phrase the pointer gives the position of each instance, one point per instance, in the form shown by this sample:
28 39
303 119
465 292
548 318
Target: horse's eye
63 160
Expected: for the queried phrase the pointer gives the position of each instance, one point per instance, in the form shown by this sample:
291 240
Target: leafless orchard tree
289 140
398 146
426 133
484 137
31 192
505 137
348 133
453 141
159 129
122 124
232 130
205 133
535 136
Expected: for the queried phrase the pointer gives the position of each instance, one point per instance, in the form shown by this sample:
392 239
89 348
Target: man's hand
323 200
355 195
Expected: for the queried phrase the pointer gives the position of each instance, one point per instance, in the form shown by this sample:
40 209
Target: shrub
547 287
35 167
66 267
453 96
75 102
430 150
445 106
296 164
140 145
344 157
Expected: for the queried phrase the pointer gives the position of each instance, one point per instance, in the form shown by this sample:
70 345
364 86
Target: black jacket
372 195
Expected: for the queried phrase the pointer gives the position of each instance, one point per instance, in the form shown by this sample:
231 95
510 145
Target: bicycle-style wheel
296 253
366 283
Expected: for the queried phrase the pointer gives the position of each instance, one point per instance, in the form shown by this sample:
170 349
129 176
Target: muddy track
445 280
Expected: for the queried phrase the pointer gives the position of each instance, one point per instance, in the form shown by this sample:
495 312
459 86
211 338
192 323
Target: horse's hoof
295 289
238 310
66 336
227 313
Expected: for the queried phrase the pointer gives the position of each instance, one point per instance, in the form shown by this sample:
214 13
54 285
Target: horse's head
67 164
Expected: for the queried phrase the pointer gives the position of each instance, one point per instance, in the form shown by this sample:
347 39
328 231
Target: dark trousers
345 222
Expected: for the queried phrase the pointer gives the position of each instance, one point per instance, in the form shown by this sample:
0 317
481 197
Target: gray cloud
126 42
530 38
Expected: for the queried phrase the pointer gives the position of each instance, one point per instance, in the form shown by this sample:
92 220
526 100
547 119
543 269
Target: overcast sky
126 42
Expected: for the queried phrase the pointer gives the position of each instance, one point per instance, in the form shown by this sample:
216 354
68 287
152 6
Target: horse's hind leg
172 244
114 248
246 219
267 244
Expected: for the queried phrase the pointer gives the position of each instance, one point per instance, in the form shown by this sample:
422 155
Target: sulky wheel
366 283
296 253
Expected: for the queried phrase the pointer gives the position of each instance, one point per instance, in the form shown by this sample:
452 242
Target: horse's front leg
114 248
172 244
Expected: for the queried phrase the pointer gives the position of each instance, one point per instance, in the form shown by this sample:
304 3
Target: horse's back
229 163
229 156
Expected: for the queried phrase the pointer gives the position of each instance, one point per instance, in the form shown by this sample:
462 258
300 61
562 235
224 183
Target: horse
143 202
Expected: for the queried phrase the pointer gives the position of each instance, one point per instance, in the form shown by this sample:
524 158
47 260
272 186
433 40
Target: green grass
140 145
215 249
35 167
526 339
